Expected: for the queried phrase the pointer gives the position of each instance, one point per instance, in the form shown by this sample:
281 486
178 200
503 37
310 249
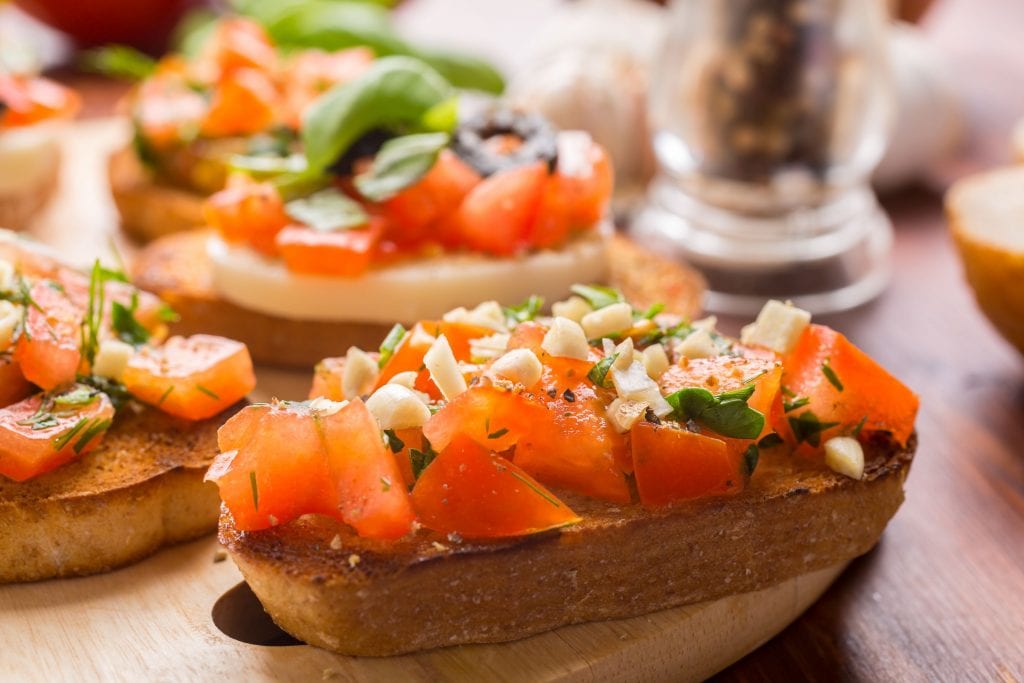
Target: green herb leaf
770 441
525 311
394 91
390 343
498 434
394 443
421 459
750 458
119 61
680 331
727 413
790 406
807 427
654 310
859 427
255 490
830 375
327 211
598 296
126 325
401 162
95 428
61 441
79 396
167 314
200 388
163 396
90 329
533 487
442 117
599 373
262 166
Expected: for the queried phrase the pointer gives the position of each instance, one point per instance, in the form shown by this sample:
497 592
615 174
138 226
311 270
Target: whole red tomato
145 24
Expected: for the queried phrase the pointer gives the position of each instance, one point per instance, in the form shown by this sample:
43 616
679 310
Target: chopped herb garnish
163 396
831 376
61 441
790 406
525 311
421 459
787 392
536 489
393 442
727 413
79 396
328 210
498 434
167 314
126 325
679 330
750 458
390 343
255 490
598 296
807 427
654 310
599 373
770 441
385 484
93 312
860 426
201 388
95 428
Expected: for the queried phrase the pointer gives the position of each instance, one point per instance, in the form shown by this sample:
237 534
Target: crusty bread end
148 208
19 207
140 490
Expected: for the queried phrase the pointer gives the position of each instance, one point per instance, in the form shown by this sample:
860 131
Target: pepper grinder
768 117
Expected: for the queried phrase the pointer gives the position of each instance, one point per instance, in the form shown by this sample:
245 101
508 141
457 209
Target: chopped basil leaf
654 310
328 210
126 325
770 441
831 376
390 343
95 428
598 296
394 443
401 162
750 458
200 388
807 427
421 459
79 396
599 373
525 311
61 441
119 61
498 434
680 330
727 414
167 314
790 406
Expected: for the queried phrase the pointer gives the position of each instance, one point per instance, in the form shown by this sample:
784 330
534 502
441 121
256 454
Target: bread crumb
220 555
353 560
336 542
329 674
440 547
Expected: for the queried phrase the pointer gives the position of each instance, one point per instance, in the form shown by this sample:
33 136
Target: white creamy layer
406 292
27 157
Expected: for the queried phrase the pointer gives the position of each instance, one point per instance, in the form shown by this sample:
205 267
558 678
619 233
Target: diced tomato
242 103
312 72
27 100
250 214
415 210
275 467
528 335
327 379
496 215
868 392
239 43
191 377
372 492
45 431
574 446
408 357
494 418
675 464
13 385
342 253
573 201
48 348
165 107
726 373
473 493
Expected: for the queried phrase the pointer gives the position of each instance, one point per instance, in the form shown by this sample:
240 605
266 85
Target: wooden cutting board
154 620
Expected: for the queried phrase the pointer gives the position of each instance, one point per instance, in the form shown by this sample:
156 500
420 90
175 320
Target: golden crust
178 269
361 597
140 490
148 208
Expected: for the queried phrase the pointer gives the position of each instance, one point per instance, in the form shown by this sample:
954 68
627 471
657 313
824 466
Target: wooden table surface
942 596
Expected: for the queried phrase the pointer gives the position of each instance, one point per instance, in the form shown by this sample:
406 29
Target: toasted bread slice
333 589
178 269
29 175
148 208
140 490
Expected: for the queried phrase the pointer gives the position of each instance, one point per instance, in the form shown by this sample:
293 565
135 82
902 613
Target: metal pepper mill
768 117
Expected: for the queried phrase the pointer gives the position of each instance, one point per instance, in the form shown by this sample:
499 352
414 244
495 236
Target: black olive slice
504 138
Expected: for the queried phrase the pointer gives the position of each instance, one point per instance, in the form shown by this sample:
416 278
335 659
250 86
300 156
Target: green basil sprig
401 162
395 91
327 210
727 413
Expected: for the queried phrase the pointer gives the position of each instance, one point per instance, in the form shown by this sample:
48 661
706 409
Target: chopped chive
599 373
860 425
201 388
535 489
390 343
255 490
97 427
498 434
163 396
831 375
61 441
